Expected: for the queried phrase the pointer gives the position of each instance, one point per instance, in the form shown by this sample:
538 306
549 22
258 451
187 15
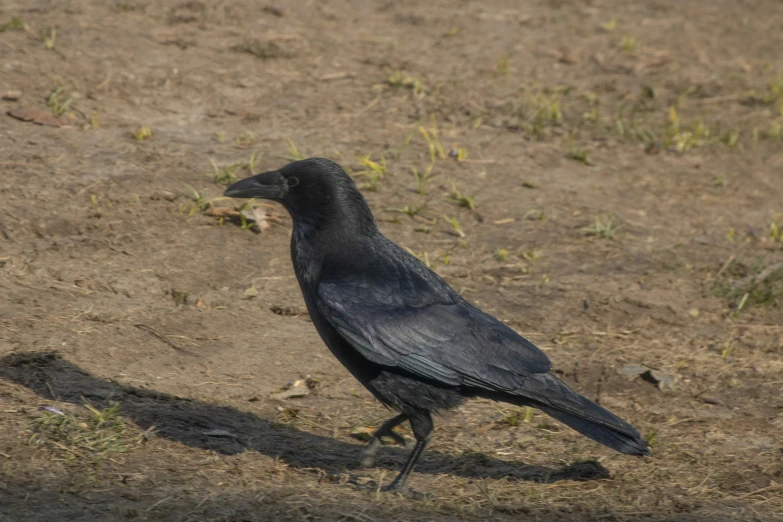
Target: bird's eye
292 181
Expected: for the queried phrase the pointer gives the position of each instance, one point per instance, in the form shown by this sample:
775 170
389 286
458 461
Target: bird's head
316 192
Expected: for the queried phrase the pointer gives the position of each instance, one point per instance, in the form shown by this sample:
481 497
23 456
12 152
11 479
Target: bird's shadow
188 421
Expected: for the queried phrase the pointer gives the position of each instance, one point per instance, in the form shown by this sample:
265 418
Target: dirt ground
605 176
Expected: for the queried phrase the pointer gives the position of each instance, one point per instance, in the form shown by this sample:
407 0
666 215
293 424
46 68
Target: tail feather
547 393
623 442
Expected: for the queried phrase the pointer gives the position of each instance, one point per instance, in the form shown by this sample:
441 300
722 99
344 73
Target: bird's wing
416 323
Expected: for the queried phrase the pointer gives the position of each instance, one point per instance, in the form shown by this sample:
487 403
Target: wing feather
434 335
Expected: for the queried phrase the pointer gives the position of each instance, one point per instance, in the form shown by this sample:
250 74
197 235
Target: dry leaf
363 433
222 212
298 389
260 217
664 381
36 116
633 371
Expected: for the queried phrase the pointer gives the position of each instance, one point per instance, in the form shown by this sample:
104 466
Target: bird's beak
269 185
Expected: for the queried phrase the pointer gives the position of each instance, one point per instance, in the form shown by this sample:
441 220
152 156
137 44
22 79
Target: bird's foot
368 454
369 485
406 492
398 489
396 437
353 480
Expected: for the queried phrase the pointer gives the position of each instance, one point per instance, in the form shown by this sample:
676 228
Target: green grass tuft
85 439
602 229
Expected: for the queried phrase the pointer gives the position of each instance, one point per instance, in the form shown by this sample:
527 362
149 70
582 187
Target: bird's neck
336 242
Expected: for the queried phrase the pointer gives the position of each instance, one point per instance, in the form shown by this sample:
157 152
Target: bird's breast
307 261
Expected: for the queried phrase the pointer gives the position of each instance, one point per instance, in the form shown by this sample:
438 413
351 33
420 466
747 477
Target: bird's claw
397 489
353 480
370 485
397 438
406 492
368 454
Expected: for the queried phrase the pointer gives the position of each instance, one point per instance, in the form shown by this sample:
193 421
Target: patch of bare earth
605 176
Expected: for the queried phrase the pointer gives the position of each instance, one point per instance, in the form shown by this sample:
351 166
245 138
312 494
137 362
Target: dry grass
486 140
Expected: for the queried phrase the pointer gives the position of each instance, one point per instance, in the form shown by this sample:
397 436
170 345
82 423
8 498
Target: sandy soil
610 184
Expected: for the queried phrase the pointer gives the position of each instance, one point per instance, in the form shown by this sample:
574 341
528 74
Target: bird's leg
386 430
422 429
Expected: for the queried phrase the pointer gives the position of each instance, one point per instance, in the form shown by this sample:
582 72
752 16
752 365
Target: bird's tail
550 395
626 441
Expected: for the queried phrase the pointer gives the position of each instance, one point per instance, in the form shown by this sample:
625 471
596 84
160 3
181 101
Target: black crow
403 332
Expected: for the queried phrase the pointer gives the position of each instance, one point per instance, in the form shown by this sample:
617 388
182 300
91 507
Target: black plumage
402 331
